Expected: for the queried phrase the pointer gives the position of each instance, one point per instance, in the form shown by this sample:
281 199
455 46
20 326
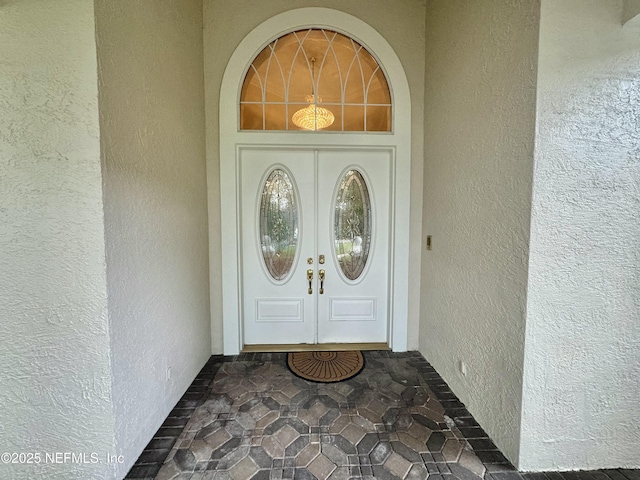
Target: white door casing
232 140
287 308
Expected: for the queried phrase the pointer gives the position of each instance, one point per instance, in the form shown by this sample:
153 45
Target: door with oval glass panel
315 232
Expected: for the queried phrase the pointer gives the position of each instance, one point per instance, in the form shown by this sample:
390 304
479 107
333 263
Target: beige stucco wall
55 388
150 63
479 138
582 364
227 22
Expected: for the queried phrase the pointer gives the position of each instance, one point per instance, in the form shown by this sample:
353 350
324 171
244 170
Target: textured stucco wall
152 135
227 22
582 364
55 389
479 137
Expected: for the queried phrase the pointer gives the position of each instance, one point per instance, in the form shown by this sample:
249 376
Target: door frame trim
232 139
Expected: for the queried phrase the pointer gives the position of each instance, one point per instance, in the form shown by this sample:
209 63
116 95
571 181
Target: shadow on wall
631 12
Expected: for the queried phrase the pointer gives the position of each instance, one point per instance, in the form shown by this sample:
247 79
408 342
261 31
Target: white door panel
354 310
276 311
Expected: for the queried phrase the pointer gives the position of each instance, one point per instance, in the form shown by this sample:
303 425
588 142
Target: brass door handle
310 278
321 277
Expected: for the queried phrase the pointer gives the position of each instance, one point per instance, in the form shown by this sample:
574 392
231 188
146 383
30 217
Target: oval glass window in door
352 224
278 224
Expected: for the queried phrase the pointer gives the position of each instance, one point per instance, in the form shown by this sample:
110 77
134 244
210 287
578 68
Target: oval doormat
326 367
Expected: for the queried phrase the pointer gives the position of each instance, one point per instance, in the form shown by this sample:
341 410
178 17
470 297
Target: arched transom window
315 79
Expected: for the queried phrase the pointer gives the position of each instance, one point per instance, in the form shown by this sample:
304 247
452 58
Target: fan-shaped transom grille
321 69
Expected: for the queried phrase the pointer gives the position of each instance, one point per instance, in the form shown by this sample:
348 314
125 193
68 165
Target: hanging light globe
313 117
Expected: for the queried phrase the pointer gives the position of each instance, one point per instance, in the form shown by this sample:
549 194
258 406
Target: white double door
315 242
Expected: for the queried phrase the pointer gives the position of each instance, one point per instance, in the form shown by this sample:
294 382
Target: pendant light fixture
313 117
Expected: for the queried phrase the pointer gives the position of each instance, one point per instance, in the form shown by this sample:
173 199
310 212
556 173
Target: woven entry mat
326 367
